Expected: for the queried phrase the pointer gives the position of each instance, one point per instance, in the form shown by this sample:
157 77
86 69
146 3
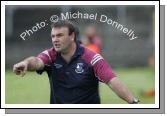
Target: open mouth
57 45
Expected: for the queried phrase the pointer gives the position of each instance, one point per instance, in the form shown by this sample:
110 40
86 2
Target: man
87 43
73 70
93 36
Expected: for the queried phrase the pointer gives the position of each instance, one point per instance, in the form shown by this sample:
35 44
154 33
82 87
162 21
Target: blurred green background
34 88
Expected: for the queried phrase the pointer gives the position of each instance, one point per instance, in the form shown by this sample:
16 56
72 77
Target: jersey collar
79 50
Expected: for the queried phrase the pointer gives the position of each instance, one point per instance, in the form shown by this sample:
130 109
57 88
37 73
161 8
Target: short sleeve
102 69
47 56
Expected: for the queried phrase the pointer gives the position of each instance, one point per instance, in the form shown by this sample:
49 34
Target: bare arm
29 64
121 90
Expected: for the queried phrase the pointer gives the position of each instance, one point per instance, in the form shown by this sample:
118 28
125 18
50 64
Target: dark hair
70 25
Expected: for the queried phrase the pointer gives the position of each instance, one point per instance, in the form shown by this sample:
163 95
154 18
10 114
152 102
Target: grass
137 80
34 88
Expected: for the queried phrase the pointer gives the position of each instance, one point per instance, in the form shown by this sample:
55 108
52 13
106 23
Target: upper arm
47 56
102 69
34 63
44 57
40 63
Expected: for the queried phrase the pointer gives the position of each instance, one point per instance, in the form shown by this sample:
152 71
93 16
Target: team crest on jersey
79 68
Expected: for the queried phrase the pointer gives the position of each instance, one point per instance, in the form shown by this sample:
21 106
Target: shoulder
50 52
90 56
48 55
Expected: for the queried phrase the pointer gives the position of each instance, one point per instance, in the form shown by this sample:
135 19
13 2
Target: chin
58 50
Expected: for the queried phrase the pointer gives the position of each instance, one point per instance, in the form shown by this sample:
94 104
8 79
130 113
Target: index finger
15 68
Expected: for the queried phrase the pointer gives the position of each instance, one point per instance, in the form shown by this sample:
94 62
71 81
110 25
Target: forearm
121 90
33 63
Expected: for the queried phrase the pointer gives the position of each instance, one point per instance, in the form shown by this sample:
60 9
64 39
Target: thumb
24 71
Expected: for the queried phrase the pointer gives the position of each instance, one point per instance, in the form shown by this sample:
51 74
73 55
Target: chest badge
79 68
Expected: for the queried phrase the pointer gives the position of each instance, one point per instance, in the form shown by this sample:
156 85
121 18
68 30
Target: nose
55 39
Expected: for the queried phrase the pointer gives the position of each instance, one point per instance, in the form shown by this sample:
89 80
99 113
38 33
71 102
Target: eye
52 36
59 35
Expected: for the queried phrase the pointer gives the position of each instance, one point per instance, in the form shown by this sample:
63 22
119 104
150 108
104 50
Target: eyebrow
59 34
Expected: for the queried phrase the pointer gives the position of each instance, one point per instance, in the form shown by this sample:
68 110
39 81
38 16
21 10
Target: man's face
61 39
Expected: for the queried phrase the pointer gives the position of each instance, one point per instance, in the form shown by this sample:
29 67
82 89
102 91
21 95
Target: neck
70 52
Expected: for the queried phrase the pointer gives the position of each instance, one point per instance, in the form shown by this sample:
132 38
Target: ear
72 36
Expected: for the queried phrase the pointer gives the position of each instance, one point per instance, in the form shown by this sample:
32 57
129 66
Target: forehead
56 30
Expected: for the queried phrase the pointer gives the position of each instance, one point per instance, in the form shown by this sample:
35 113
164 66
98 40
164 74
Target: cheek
52 40
65 40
